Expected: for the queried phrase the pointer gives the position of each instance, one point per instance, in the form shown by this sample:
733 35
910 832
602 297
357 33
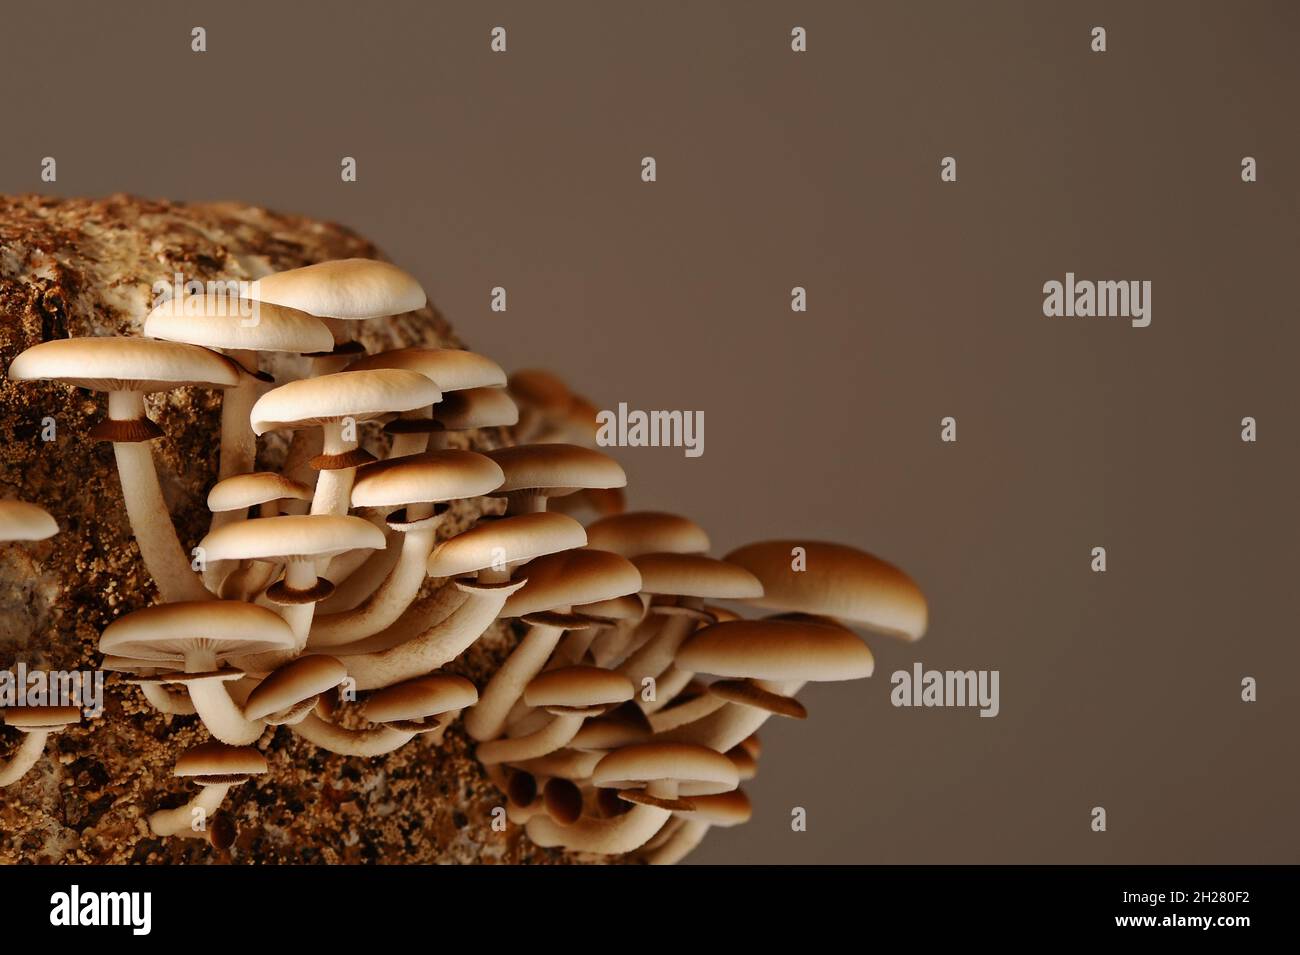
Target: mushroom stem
404 445
299 575
601 836
436 646
355 578
383 607
25 756
662 721
658 652
238 443
220 715
614 646
146 510
346 742
487 718
164 701
728 725
688 835
180 821
334 486
554 735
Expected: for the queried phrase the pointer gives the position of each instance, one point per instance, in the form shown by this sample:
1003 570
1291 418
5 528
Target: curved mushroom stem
563 764
554 735
354 578
658 652
688 835
667 685
146 510
487 718
248 580
436 646
661 721
180 821
220 715
428 611
386 604
334 486
299 575
729 725
615 836
164 701
346 742
25 756
614 646
238 448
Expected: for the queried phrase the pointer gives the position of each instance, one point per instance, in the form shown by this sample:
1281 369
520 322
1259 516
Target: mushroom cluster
327 598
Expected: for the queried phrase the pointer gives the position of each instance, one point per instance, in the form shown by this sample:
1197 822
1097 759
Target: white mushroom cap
431 477
561 468
177 632
344 288
361 395
292 537
20 521
572 577
451 369
647 532
505 540
476 408
694 575
124 364
220 321
248 490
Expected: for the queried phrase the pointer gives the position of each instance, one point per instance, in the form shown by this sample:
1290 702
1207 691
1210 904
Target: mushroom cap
476 408
343 288
693 575
578 686
697 770
293 683
360 395
124 364
40 717
540 389
647 532
166 632
451 369
421 698
222 321
431 477
290 536
720 809
840 582
777 650
572 577
505 540
218 759
556 467
626 607
601 501
248 490
621 726
20 521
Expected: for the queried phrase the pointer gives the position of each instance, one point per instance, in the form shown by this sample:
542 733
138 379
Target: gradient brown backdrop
822 170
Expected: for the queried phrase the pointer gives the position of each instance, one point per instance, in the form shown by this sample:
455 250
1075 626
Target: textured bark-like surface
71 267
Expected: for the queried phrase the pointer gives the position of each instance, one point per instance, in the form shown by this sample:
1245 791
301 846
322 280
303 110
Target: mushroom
36 723
415 705
20 521
201 636
336 404
299 541
473 409
554 583
570 694
592 503
543 399
720 809
534 472
289 693
776 657
417 482
127 369
659 777
348 289
215 767
232 498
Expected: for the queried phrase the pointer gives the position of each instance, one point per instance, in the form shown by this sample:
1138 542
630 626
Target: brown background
822 170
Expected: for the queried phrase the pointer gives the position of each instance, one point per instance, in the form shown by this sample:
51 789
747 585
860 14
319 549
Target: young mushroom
535 472
215 767
36 723
290 693
128 369
570 695
232 499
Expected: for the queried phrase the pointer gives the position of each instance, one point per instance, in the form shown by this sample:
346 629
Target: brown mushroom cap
169 632
218 759
222 321
839 581
627 607
476 408
326 399
293 683
20 521
572 577
124 364
249 490
451 369
343 288
292 536
578 687
421 698
558 468
506 539
693 575
697 770
430 477
647 532
540 389
40 717
720 809
777 650
621 726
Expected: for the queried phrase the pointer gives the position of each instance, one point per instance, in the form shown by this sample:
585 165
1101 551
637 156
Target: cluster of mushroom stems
624 719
